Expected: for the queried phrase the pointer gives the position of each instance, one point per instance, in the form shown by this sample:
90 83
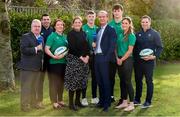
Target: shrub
21 23
169 30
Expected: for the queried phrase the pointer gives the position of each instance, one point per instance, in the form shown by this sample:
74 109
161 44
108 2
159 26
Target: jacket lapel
104 33
33 37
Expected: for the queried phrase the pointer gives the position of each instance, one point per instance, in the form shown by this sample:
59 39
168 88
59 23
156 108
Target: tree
6 62
166 9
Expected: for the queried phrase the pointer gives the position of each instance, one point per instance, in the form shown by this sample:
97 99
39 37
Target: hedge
169 30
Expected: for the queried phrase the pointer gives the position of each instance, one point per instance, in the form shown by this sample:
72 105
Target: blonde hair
103 11
35 21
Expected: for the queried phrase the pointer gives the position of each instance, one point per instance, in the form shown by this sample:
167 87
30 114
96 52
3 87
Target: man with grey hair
104 53
31 46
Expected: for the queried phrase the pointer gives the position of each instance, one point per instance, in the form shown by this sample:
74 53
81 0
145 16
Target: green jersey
54 41
90 32
123 44
116 26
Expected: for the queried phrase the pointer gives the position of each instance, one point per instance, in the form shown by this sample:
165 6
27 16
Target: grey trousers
28 87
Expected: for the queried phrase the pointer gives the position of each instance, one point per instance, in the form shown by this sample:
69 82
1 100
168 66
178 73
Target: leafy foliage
169 30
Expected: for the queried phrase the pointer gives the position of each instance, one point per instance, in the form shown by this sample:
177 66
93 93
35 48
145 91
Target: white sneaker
121 106
95 100
84 102
129 108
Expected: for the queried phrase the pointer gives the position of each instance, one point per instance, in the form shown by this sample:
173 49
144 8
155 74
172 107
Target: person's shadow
140 112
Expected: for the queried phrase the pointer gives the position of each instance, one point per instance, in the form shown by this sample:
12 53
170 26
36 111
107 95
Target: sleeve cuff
36 50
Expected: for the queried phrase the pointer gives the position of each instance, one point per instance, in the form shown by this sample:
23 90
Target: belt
99 54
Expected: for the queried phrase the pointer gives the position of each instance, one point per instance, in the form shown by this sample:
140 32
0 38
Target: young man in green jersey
115 23
90 29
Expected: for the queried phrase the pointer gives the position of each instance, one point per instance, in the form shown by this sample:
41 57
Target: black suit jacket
108 43
30 60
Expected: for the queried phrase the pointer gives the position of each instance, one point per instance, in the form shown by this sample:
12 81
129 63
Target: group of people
103 50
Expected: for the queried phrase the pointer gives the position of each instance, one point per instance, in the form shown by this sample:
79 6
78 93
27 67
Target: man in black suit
46 30
104 53
31 46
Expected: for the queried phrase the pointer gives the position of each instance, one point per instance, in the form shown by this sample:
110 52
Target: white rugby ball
61 50
146 52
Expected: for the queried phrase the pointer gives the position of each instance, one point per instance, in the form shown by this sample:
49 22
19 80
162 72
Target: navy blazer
108 43
30 60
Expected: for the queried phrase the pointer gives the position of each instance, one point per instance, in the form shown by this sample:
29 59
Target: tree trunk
6 62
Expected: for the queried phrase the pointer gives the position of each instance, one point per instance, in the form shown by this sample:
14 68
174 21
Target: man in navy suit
104 53
31 46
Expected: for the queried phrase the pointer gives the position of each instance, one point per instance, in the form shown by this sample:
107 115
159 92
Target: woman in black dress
77 63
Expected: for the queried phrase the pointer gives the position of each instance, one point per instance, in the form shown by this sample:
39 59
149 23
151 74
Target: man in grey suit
31 46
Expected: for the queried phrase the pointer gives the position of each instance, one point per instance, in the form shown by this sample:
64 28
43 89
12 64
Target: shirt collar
103 27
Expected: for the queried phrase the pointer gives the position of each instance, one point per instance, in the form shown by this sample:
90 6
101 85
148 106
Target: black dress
76 74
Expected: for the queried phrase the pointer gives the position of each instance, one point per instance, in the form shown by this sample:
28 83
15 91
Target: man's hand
119 61
93 44
39 47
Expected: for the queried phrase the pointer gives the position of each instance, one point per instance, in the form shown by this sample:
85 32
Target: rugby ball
61 50
146 52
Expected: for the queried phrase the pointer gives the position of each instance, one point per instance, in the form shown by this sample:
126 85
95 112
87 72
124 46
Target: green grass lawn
166 99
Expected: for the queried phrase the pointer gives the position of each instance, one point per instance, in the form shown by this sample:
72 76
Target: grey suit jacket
30 60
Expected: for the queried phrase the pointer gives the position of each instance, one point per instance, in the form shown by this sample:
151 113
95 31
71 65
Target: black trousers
125 74
77 99
93 80
143 68
41 79
112 74
56 81
28 87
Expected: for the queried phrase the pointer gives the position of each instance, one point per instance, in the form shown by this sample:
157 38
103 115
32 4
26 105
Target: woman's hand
149 57
57 57
85 59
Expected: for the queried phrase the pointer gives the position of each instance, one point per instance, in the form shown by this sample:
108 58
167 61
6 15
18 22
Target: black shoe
105 110
98 105
78 104
73 107
112 100
120 102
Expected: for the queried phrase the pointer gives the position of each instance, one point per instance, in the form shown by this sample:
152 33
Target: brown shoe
39 105
56 106
62 104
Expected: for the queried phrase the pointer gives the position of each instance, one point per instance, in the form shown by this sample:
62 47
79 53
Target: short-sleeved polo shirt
123 44
54 41
116 26
90 31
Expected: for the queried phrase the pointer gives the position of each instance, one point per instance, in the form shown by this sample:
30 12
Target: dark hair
146 16
44 15
131 28
90 12
118 6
